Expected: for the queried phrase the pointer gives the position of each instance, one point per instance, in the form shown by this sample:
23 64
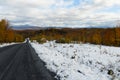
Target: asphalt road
20 62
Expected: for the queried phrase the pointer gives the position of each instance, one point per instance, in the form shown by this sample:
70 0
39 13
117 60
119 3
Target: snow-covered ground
80 61
6 44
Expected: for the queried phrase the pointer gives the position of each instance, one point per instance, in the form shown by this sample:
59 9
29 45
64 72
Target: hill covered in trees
104 36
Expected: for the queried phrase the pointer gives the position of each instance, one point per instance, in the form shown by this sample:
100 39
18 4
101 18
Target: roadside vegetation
7 34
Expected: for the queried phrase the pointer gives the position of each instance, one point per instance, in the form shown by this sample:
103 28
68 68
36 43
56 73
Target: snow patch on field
80 61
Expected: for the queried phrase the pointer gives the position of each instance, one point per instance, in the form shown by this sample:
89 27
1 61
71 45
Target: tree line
7 34
104 36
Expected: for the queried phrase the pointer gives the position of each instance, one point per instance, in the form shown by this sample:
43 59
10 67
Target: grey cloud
22 12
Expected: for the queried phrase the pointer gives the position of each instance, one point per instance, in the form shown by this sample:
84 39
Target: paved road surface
20 62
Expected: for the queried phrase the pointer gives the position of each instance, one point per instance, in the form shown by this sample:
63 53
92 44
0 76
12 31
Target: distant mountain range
28 27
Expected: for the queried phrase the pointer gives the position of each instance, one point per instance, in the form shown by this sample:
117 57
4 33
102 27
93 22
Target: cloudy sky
61 13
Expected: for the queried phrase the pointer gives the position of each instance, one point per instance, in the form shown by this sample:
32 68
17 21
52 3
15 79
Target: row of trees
7 34
105 36
108 36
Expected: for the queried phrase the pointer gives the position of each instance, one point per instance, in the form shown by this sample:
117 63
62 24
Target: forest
7 34
103 36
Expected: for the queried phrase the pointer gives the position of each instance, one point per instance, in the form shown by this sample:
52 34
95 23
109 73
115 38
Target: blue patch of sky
113 9
79 2
87 1
74 4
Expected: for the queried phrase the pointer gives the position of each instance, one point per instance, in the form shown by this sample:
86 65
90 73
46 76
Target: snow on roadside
6 44
80 61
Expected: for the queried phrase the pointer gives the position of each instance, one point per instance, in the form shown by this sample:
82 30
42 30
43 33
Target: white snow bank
6 44
80 61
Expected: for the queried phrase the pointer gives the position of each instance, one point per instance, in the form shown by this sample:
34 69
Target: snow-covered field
80 61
